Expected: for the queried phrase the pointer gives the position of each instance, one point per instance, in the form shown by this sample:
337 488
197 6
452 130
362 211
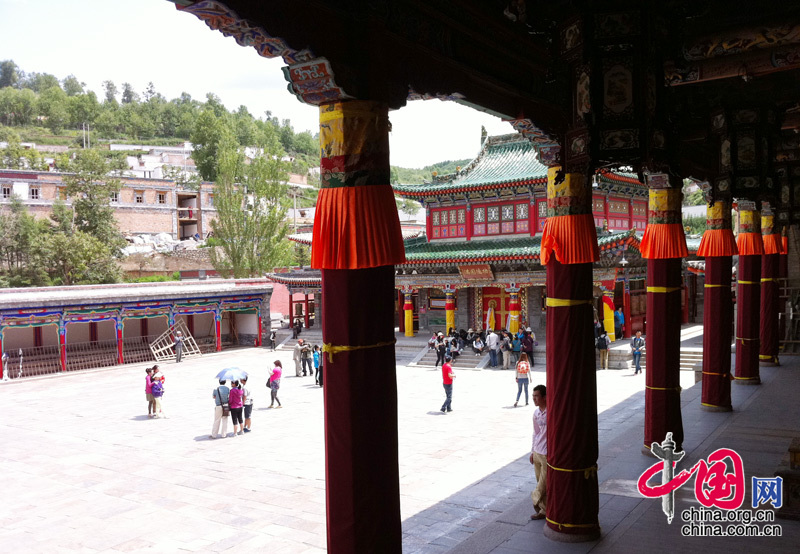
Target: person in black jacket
441 349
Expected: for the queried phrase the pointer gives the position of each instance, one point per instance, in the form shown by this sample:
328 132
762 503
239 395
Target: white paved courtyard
86 470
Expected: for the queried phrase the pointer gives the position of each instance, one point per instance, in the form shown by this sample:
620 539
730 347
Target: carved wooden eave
392 51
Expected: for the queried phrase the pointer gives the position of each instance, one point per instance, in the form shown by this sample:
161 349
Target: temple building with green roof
480 252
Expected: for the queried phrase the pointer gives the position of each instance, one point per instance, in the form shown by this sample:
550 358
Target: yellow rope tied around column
744 339
708 286
768 357
662 289
563 302
745 378
711 405
678 389
710 373
768 279
747 282
587 471
560 525
336 349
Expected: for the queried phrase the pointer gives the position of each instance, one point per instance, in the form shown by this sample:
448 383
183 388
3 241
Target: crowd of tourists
236 402
503 346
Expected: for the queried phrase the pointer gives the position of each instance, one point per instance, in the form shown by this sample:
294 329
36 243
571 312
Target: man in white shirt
539 451
491 344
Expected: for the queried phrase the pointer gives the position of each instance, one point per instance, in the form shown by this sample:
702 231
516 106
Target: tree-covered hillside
46 110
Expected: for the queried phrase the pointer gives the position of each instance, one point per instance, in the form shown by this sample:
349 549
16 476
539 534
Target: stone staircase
620 357
468 360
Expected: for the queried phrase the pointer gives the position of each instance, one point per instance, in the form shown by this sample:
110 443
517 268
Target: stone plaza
86 470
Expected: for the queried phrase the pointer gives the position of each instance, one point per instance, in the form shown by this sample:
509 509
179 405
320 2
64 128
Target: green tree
694 225
76 259
251 208
184 180
63 217
72 86
11 157
108 122
407 205
90 185
111 92
83 108
39 82
53 104
17 106
129 95
9 74
302 254
19 233
206 138
695 198
305 143
214 104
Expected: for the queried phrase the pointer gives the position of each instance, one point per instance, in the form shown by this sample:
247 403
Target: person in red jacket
447 379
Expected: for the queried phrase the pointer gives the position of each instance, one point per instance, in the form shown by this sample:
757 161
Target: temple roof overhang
92 295
419 251
509 162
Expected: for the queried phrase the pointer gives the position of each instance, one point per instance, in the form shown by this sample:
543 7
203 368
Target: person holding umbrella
236 401
235 396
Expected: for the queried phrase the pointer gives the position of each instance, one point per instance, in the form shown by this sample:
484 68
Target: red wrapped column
718 248
218 330
3 369
62 344
260 321
770 291
119 327
357 242
664 246
361 454
569 247
748 295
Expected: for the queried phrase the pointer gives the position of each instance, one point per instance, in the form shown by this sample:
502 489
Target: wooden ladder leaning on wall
163 347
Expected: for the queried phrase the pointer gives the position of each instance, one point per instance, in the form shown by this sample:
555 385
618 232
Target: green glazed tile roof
505 160
420 251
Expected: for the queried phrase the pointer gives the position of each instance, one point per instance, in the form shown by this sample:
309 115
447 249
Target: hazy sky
149 40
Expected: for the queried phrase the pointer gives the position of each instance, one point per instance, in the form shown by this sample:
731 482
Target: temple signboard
478 272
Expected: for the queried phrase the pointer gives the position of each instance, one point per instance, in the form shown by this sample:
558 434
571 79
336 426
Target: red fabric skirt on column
361 454
572 447
663 344
717 323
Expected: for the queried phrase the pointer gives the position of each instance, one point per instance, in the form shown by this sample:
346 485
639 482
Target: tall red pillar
569 248
3 375
627 329
62 344
401 316
664 246
119 326
718 247
769 342
748 295
357 242
259 339
218 330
